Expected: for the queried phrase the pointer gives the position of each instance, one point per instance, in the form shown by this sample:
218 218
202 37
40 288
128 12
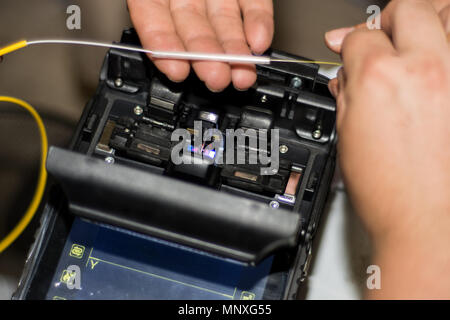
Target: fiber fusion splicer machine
130 216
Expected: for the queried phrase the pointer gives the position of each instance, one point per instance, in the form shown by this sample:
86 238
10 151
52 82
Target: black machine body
120 168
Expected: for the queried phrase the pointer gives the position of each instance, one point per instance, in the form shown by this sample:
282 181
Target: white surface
7 287
342 254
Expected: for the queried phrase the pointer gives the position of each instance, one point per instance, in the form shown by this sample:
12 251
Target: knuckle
157 37
200 40
431 68
191 8
229 16
376 70
235 45
353 40
376 65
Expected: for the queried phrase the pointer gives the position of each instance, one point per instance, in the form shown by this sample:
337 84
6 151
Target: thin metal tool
156 54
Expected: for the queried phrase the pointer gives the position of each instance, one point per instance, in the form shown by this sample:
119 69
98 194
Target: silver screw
264 99
109 160
138 110
317 134
274 204
296 82
118 82
284 149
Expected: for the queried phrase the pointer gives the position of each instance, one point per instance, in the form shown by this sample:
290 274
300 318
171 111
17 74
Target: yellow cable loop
39 193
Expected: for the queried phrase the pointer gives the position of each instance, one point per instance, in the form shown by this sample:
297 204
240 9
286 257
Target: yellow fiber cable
39 193
308 61
13 47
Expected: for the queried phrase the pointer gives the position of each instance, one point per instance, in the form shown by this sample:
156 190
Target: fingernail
213 90
239 89
335 37
176 81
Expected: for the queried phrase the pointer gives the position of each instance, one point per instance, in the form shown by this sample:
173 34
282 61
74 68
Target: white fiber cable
230 58
190 56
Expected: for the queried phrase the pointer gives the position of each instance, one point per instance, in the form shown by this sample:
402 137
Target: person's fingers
365 48
258 23
414 24
334 38
197 34
225 17
154 25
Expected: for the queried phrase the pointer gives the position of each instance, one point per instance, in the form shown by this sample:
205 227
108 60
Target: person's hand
214 26
335 38
393 121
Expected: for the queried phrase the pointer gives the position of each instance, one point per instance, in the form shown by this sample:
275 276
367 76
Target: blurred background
59 80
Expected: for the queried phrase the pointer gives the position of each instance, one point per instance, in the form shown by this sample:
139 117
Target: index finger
154 25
